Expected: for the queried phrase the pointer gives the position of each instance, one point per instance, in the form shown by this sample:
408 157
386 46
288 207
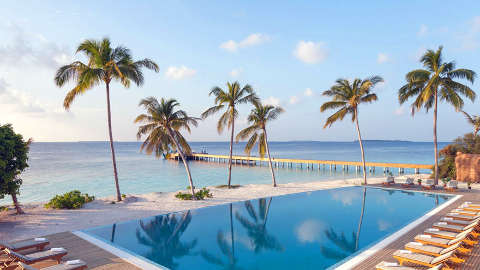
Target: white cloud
346 197
422 31
382 58
309 92
309 231
399 111
179 73
294 100
383 225
311 52
470 40
272 101
236 72
251 40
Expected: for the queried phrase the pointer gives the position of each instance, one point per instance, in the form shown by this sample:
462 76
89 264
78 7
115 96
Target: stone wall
467 167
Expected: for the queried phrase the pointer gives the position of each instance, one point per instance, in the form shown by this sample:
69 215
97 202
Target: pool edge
124 255
349 264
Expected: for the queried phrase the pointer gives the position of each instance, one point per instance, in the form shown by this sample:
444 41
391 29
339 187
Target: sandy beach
39 221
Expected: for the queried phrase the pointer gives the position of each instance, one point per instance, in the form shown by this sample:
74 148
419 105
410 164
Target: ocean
59 167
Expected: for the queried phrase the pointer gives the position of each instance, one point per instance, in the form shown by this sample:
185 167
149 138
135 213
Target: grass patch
200 194
226 186
70 200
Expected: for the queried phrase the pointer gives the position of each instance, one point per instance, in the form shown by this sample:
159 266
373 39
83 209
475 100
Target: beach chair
444 226
472 205
452 235
52 254
403 256
395 266
408 183
429 184
389 181
68 265
442 242
458 222
461 216
435 251
36 243
452 185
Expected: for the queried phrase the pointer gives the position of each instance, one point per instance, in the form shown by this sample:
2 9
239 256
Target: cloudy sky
289 51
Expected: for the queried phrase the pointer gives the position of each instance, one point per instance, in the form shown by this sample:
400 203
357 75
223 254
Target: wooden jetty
308 163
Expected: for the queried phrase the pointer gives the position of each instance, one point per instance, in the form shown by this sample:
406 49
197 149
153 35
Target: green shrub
199 195
226 186
70 200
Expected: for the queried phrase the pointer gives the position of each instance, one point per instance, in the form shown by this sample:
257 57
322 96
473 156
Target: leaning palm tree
162 125
437 80
258 119
346 97
104 65
473 120
228 100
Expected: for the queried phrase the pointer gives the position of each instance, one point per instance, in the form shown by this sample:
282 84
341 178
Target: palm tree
258 119
162 125
229 100
162 235
474 120
104 65
346 97
436 81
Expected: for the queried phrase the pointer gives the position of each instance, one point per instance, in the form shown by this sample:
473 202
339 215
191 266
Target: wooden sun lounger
472 205
63 266
469 235
32 258
460 216
458 222
444 226
442 242
395 266
24 245
425 260
435 251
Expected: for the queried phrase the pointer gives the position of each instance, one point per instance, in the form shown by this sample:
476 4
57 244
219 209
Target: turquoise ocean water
60 167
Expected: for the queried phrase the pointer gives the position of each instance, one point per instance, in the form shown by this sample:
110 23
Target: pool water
312 230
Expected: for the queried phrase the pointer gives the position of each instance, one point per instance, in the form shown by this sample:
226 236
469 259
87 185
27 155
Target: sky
289 51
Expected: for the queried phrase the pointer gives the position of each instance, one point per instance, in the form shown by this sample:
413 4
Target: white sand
39 221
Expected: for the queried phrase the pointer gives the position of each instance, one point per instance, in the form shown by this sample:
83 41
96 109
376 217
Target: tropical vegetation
468 144
228 100
70 200
104 65
473 120
437 80
162 125
257 131
13 161
346 98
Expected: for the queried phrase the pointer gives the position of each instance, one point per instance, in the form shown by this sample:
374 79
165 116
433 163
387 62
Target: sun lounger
51 254
68 265
444 226
461 216
396 266
458 222
452 185
442 242
37 243
472 205
389 181
429 184
408 183
464 212
403 256
451 235
435 251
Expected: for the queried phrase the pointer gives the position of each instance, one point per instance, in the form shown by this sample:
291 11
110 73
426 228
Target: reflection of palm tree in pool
346 246
256 230
162 235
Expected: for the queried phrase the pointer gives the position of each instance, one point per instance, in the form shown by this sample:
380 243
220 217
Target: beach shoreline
39 221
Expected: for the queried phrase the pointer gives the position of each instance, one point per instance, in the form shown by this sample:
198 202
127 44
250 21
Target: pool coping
136 260
352 262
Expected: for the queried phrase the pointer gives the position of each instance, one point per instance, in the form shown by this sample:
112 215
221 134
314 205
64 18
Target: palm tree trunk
266 212
361 219
435 137
185 163
361 148
109 113
269 158
16 204
231 231
231 153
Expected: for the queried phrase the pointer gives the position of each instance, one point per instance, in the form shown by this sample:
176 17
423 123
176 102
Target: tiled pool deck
99 259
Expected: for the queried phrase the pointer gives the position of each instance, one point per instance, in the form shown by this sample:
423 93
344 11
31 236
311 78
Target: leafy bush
70 200
199 195
226 186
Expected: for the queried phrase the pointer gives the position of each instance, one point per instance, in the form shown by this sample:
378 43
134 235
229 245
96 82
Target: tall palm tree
228 100
474 120
162 125
258 119
436 80
346 97
104 65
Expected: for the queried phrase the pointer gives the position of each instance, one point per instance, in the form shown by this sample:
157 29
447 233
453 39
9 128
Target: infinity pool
312 230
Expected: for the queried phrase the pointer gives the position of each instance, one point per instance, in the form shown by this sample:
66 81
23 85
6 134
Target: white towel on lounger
389 264
58 250
405 251
39 239
73 262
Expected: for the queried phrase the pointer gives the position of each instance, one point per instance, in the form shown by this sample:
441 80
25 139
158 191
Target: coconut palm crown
437 80
346 98
258 119
228 100
104 65
162 126
473 120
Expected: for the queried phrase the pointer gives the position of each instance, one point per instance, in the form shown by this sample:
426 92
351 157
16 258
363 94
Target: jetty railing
309 163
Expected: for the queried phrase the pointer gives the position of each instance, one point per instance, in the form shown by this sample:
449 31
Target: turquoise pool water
312 230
